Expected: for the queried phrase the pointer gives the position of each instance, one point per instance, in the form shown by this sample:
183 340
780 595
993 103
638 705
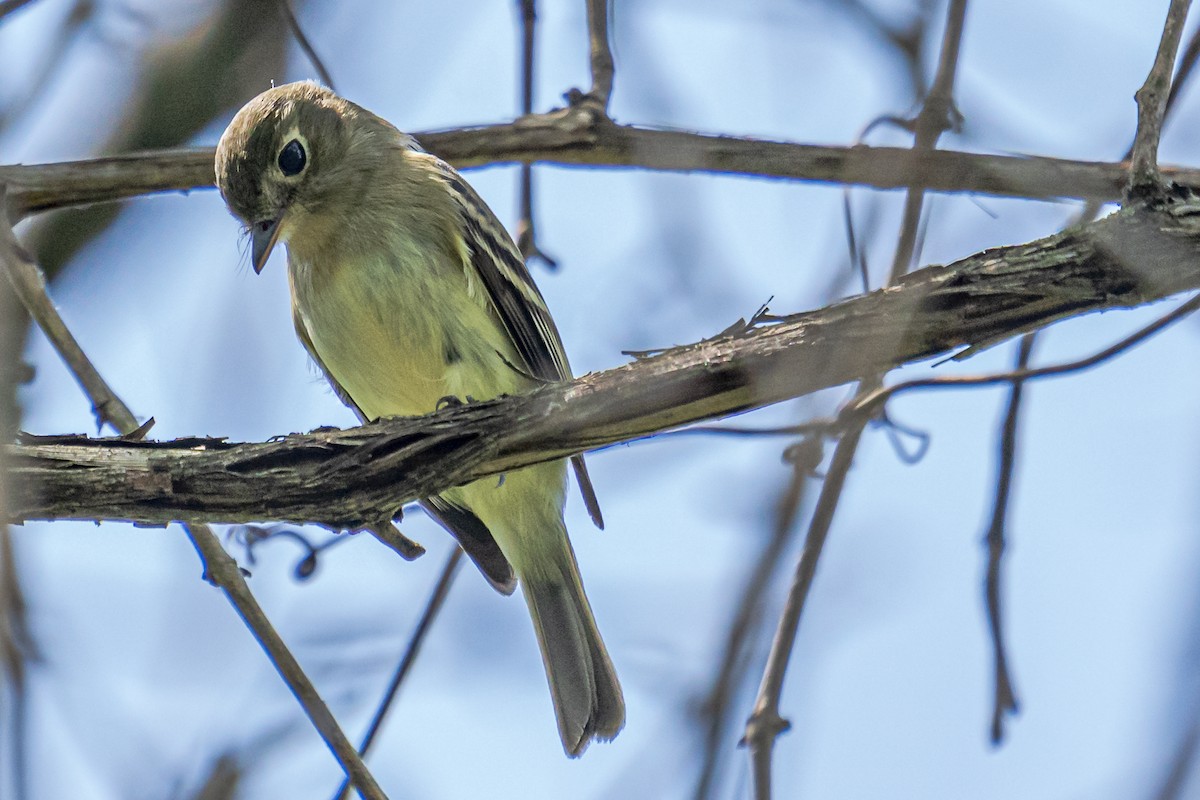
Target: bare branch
350 479
29 284
1152 103
223 571
223 780
870 404
938 114
526 235
571 138
805 458
1004 697
765 722
17 651
1183 75
601 54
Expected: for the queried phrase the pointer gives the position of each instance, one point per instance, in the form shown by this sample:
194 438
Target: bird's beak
263 236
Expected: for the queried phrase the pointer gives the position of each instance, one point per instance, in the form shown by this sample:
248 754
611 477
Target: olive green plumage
407 290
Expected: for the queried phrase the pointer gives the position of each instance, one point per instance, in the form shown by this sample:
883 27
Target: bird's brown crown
251 159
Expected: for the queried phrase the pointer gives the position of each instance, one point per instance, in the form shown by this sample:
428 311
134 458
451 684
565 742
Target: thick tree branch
575 137
353 478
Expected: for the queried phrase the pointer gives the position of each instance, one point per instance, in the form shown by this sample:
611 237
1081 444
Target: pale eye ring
292 158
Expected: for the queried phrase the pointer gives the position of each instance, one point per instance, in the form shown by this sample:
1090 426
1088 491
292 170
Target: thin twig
528 29
17 647
868 405
601 54
748 617
392 537
436 600
526 237
29 284
18 711
1152 103
1183 76
765 723
220 569
289 15
1004 698
911 47
805 458
938 114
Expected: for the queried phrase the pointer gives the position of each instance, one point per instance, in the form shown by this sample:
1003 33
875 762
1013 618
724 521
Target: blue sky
149 674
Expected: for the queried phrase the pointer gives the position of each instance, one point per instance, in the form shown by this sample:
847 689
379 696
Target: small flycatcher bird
406 290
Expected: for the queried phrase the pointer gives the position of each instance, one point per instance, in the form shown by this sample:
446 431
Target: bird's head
283 157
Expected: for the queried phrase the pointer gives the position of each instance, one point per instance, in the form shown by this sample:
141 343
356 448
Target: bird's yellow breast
399 330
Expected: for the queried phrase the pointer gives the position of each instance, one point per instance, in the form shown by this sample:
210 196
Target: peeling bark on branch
353 478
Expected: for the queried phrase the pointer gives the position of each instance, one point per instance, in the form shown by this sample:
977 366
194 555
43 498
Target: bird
407 292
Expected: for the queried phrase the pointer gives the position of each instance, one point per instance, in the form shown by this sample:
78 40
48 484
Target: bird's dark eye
292 158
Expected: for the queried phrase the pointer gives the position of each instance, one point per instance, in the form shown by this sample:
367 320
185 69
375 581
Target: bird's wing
497 263
470 532
476 541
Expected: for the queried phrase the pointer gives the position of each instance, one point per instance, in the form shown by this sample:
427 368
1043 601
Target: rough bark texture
353 478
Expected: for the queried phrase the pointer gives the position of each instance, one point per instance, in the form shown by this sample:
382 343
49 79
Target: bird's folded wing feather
496 261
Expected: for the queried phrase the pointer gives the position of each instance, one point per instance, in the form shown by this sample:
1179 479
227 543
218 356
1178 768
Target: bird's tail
583 684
